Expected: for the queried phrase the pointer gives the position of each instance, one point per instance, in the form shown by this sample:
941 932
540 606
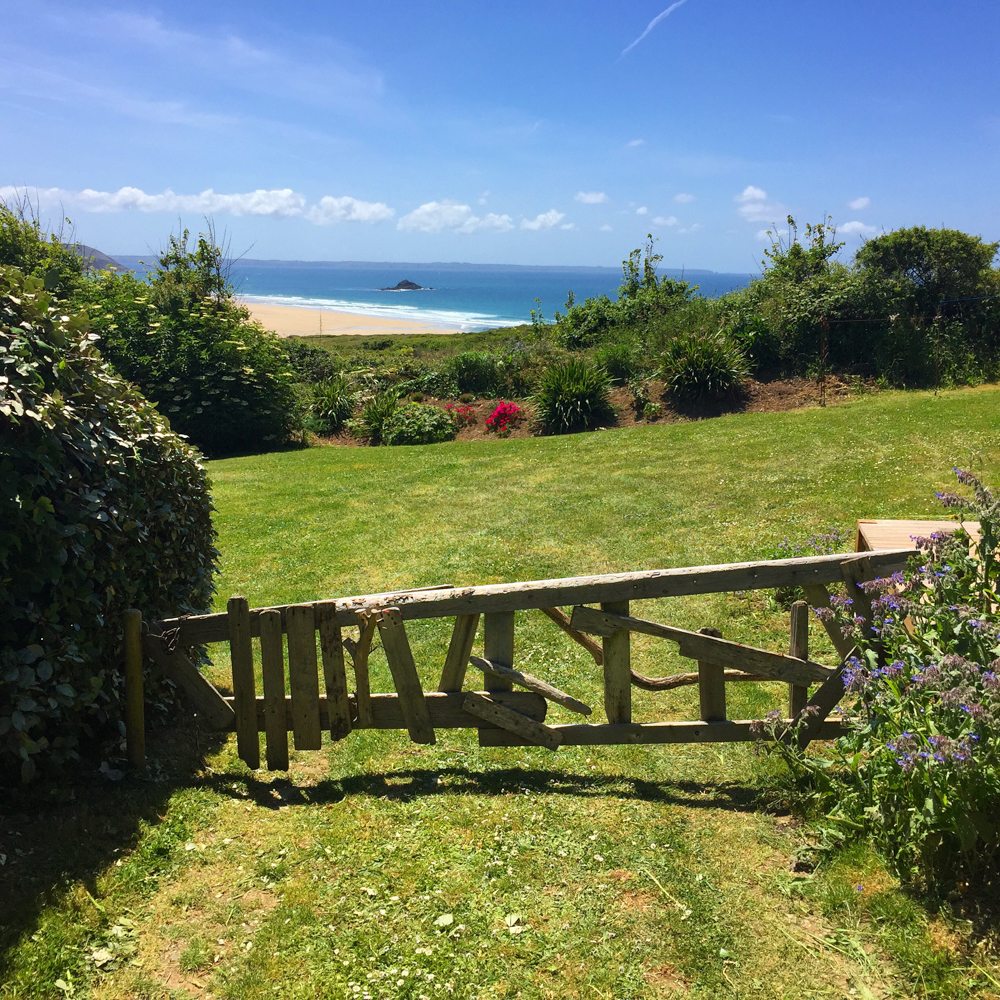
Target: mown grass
430 347
378 868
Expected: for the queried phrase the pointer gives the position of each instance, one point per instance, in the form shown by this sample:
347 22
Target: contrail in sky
652 24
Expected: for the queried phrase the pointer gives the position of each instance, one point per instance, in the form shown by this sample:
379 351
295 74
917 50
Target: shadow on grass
57 834
405 786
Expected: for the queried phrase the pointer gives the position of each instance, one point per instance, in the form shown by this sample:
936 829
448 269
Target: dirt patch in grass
666 980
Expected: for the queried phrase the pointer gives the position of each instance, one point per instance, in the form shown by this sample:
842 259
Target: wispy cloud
606 228
754 205
856 228
590 197
452 216
665 220
642 210
683 198
282 203
857 204
635 143
545 220
662 16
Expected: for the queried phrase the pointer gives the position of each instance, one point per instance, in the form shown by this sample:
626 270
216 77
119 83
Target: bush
622 360
463 414
331 405
475 371
573 396
702 368
310 364
417 423
919 770
221 379
23 245
505 418
103 508
376 415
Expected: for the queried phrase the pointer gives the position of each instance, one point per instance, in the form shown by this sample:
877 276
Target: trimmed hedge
102 507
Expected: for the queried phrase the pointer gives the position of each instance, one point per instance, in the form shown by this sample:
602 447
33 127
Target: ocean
458 296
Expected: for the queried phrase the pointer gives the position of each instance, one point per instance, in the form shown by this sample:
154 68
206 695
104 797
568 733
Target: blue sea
455 296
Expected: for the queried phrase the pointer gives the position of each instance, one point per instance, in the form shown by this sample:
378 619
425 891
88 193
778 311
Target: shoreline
307 321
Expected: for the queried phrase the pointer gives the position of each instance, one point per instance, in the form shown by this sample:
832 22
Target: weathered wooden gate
510 707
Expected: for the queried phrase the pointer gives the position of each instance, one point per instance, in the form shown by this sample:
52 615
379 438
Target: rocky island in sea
405 286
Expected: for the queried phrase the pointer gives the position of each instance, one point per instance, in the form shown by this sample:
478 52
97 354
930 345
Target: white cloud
346 209
591 197
568 225
665 220
662 16
755 206
642 210
545 220
856 228
437 216
607 229
856 204
687 230
283 203
683 198
635 143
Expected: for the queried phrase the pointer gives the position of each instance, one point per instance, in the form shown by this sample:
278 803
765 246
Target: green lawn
381 869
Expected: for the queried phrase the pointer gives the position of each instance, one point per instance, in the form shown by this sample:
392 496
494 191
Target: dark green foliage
588 323
573 396
222 379
309 363
475 371
102 508
417 423
622 360
376 415
702 368
331 405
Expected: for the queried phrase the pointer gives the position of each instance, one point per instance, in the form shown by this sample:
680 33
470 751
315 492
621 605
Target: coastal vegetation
457 870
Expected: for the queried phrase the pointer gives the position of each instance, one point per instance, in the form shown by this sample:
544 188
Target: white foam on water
463 321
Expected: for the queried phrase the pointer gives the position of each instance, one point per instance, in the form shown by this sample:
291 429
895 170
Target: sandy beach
303 321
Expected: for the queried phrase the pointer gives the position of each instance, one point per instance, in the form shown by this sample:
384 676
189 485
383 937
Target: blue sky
519 132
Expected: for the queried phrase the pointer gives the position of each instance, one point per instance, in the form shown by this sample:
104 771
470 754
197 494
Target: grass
430 347
377 868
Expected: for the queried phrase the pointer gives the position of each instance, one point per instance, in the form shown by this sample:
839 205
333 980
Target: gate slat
331 646
617 668
711 685
798 646
459 650
303 676
404 675
498 647
272 663
244 691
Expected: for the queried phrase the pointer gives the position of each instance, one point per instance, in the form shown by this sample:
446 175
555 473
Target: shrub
417 423
23 245
103 508
475 371
331 405
376 415
573 396
622 360
221 379
310 364
505 418
919 770
462 414
702 368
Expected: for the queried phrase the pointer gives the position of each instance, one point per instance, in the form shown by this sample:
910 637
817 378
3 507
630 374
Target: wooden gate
306 659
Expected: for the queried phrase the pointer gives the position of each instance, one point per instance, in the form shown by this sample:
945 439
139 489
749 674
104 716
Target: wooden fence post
712 685
244 683
617 654
798 646
135 723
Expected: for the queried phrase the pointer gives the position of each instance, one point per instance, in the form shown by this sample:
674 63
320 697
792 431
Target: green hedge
102 508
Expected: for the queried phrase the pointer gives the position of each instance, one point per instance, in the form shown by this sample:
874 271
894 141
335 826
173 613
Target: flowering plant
919 770
462 414
504 418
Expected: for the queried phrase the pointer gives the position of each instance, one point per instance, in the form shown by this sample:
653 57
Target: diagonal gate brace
488 710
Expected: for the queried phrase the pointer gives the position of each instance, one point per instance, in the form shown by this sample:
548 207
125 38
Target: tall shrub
102 508
221 378
572 396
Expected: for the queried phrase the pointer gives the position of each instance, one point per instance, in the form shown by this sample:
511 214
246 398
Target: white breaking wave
463 321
